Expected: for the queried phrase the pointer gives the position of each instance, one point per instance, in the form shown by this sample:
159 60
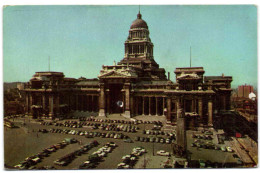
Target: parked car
229 149
223 149
163 153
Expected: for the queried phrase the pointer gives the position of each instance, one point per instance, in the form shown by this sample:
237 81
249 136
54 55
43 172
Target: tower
139 50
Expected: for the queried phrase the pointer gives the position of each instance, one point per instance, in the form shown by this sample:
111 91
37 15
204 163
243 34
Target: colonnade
149 105
86 102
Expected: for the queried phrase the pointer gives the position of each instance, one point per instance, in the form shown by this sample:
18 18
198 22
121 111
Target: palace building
134 86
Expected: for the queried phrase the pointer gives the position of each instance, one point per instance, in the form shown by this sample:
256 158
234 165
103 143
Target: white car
126 156
229 149
36 160
120 165
163 153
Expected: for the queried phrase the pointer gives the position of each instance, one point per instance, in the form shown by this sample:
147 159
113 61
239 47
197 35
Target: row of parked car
65 160
154 139
120 121
172 135
97 156
30 162
128 161
205 137
119 127
87 134
71 124
210 145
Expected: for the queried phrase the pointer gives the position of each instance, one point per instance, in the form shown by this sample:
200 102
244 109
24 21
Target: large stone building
134 86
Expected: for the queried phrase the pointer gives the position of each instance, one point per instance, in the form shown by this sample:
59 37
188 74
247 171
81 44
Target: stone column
150 106
163 106
143 104
43 102
27 103
127 100
57 104
210 122
169 100
195 105
178 106
200 103
156 106
102 100
50 105
31 103
108 102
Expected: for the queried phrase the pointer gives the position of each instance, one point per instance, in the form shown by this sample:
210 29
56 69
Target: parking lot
26 141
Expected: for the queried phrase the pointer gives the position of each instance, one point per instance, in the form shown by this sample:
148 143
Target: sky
80 39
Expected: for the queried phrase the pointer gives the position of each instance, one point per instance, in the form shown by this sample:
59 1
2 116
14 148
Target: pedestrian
37 135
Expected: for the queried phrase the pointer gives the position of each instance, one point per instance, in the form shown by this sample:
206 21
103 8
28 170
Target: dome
139 22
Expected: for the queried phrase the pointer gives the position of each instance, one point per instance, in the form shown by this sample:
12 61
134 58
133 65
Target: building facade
134 86
245 90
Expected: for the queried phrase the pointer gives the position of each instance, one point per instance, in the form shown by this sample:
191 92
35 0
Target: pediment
113 74
189 76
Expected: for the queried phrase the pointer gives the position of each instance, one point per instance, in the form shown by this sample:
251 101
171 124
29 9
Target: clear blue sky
80 39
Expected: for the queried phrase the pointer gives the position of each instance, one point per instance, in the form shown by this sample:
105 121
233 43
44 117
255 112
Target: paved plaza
25 141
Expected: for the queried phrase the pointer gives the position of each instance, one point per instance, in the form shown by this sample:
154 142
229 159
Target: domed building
134 86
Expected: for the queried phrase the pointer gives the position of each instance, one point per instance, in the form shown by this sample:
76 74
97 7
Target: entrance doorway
115 96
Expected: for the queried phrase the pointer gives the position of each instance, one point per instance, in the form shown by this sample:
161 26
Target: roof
139 22
48 73
206 78
88 82
154 82
189 69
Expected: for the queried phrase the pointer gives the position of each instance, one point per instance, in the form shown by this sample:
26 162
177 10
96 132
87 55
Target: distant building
245 90
138 82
